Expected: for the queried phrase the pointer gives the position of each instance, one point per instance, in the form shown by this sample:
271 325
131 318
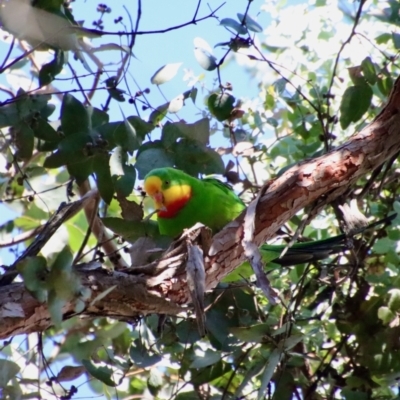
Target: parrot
182 200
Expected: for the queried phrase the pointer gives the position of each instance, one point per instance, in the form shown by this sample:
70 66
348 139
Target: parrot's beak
159 200
152 187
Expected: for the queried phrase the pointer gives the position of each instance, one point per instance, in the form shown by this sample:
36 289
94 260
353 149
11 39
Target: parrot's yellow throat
168 200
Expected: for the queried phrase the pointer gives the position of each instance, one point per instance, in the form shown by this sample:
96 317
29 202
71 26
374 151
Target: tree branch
161 287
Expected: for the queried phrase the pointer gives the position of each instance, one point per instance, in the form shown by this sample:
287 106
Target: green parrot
182 200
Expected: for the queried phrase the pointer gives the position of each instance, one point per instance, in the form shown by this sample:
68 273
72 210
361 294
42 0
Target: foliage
319 78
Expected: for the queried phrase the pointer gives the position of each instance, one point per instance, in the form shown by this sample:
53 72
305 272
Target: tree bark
161 287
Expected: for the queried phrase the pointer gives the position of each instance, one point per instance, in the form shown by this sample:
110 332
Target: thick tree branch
161 286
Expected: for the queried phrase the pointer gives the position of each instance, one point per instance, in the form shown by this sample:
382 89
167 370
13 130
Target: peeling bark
161 287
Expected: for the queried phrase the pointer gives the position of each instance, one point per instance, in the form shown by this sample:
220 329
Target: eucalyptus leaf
165 73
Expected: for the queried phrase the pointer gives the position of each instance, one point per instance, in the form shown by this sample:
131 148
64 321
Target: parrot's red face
169 198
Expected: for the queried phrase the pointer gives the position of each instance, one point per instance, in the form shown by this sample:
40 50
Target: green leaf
207 375
368 69
74 116
280 86
24 106
156 157
34 273
98 117
383 245
62 279
232 23
351 394
396 206
252 371
155 381
81 170
158 114
55 305
386 315
170 133
193 94
105 183
142 127
221 105
255 333
102 373
396 40
110 131
383 38
124 184
394 300
210 357
187 396
70 151
251 24
141 356
196 158
198 131
115 93
24 140
47 146
385 84
50 70
8 370
355 102
291 341
63 262
273 361
240 273
44 131
132 142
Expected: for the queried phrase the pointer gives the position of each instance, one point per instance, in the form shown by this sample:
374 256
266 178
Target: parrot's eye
166 182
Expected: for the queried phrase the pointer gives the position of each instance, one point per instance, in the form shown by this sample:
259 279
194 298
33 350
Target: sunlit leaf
266 376
394 300
210 357
368 69
251 24
385 314
141 356
206 60
165 73
158 114
231 23
8 370
102 373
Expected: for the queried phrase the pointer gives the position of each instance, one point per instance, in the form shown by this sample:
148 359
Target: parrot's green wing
213 203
